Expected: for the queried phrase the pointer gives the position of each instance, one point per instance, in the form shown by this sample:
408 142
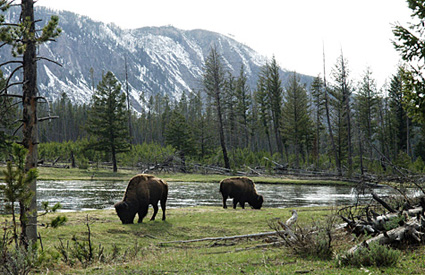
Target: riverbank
146 249
49 173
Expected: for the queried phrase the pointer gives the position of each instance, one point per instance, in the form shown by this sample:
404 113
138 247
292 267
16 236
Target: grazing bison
241 189
141 191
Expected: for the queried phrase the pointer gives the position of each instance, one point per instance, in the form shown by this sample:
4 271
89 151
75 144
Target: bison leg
143 210
163 209
242 203
155 210
224 201
235 202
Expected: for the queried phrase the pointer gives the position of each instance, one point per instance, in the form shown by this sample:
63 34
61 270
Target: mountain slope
163 60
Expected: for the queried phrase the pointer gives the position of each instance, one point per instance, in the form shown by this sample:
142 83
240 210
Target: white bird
292 219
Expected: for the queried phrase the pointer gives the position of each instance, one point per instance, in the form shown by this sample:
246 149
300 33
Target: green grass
49 173
210 257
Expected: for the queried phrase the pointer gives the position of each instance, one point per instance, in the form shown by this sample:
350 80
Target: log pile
397 226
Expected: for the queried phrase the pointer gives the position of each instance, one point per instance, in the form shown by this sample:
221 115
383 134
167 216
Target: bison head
125 212
257 202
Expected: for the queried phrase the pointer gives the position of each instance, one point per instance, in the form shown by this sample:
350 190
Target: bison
141 191
241 189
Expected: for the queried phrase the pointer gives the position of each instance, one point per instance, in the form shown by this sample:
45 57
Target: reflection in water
84 195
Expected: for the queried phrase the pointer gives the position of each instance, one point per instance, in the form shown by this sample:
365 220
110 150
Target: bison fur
241 189
141 191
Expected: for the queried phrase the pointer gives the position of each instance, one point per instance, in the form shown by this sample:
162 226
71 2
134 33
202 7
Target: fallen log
383 203
409 229
227 238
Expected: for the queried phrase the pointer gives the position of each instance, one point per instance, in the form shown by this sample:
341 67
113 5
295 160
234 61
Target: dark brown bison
141 191
241 189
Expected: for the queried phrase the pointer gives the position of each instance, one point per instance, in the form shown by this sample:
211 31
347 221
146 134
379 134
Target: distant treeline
337 127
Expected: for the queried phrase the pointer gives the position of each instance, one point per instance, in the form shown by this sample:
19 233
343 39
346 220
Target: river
88 195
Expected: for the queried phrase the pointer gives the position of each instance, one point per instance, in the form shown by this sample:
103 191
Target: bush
18 259
373 255
83 163
313 241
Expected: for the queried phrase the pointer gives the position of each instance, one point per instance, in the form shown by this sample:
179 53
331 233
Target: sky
296 32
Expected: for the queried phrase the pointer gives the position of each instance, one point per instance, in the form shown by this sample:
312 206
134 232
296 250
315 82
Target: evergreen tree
8 114
243 105
179 135
297 124
275 96
107 120
341 102
230 113
24 37
398 116
214 80
367 100
318 98
410 43
17 190
263 108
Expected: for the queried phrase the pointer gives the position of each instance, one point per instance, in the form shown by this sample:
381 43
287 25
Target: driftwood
410 230
226 238
383 203
407 223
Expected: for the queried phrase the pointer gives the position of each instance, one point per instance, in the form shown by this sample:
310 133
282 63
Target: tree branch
11 95
47 118
12 73
47 59
383 203
10 24
17 129
9 62
8 86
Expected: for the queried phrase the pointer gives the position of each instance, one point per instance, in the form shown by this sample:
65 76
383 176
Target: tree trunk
337 160
114 160
29 105
348 119
221 130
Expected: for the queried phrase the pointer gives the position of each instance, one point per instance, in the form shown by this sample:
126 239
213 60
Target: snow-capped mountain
163 60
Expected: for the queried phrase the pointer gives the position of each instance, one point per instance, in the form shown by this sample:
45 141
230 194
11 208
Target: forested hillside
274 121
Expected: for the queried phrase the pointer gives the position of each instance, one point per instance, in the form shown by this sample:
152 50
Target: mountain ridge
164 60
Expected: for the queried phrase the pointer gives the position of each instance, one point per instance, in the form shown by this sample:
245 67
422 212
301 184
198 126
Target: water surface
87 195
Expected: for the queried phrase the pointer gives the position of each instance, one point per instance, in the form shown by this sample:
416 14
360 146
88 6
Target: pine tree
24 37
108 118
275 93
341 102
243 104
203 133
214 80
179 135
367 100
231 126
263 108
297 124
8 114
398 114
410 43
318 98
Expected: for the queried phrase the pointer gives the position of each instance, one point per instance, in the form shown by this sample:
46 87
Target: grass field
48 173
146 249
142 248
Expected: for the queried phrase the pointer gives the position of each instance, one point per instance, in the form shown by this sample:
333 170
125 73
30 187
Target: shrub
83 163
313 241
373 255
